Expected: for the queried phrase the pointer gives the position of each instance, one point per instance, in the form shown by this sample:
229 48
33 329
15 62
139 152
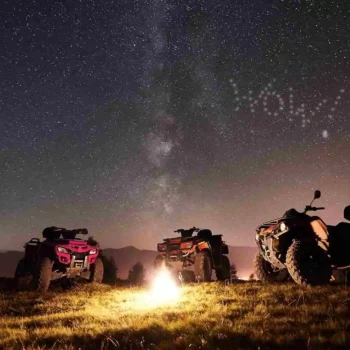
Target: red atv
60 255
302 247
194 258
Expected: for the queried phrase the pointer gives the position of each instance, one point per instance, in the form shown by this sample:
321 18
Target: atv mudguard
216 247
31 249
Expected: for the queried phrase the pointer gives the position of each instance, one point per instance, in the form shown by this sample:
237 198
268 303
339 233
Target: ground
207 316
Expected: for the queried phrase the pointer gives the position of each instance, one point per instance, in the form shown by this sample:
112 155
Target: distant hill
8 262
126 257
243 258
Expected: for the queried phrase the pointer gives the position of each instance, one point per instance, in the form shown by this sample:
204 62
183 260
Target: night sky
135 118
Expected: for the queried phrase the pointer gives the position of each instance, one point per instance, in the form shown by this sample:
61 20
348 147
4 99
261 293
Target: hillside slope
8 262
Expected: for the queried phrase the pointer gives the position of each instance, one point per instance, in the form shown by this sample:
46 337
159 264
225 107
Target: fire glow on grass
164 288
163 291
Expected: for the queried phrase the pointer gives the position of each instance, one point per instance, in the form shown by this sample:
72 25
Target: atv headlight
93 251
186 245
162 247
283 226
62 250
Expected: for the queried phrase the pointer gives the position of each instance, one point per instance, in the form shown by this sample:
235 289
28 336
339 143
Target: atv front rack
267 224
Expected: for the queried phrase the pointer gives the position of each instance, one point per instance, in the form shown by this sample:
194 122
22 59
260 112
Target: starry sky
135 118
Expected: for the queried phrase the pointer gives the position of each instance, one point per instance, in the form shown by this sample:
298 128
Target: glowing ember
164 288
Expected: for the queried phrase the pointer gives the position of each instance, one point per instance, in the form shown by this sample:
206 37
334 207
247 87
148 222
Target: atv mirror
317 194
347 213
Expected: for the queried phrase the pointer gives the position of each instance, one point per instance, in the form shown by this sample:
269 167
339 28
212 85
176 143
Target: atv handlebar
193 229
82 231
55 232
309 208
77 231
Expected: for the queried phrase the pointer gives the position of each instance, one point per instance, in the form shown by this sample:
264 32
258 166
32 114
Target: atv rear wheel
224 274
203 267
267 273
308 264
43 273
23 274
96 275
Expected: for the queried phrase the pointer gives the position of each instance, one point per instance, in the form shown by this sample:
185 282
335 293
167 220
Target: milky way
135 118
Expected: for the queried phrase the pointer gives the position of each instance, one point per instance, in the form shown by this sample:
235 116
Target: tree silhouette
137 274
110 269
252 277
110 274
233 271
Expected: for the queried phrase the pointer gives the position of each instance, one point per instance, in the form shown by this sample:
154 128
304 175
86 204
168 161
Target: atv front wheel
96 275
187 276
308 264
267 273
159 262
203 267
23 274
224 274
43 273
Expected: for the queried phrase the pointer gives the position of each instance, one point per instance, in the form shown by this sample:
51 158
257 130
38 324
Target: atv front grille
172 247
79 256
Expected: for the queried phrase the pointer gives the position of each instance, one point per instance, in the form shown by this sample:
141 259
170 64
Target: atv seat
186 233
51 233
347 213
341 231
339 239
68 235
204 233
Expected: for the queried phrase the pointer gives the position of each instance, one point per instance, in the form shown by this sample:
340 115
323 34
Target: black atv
302 247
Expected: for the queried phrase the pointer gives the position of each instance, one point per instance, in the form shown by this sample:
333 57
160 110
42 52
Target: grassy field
207 316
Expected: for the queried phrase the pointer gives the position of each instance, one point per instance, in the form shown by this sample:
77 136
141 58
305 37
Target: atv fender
323 245
203 246
208 252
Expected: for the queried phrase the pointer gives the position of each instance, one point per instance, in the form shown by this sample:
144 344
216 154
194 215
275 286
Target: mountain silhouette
126 257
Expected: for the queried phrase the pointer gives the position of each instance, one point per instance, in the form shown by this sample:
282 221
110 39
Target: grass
207 316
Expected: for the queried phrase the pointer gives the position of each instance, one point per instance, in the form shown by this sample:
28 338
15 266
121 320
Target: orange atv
194 257
302 247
